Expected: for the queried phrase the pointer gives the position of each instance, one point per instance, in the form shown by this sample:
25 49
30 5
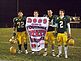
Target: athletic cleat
45 54
26 52
33 52
66 56
53 54
59 55
19 52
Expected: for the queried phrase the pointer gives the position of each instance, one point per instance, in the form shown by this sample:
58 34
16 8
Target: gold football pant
22 37
50 39
62 38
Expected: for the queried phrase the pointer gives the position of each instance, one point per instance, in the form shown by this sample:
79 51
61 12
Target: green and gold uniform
50 38
62 29
19 24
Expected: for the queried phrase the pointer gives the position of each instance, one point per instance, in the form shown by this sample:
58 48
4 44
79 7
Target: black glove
14 34
55 34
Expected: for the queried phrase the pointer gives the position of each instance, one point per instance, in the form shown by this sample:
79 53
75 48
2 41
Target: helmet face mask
13 40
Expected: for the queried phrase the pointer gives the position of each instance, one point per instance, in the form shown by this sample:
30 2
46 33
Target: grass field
74 52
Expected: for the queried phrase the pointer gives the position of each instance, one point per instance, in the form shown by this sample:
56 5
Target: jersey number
61 24
20 24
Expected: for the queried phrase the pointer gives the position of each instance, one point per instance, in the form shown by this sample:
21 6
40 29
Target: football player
50 37
20 31
63 23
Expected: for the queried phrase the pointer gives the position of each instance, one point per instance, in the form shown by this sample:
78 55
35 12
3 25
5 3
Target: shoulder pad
15 19
67 16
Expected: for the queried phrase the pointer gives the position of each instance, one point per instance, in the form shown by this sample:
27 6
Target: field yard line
74 47
8 42
4 42
5 60
55 45
70 46
77 39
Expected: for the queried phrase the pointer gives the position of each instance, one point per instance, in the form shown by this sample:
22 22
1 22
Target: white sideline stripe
55 45
8 42
74 47
5 60
4 42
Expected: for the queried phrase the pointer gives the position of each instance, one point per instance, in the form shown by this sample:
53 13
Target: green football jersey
62 24
51 22
19 23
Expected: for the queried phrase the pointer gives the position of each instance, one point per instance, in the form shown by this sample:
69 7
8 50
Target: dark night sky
8 8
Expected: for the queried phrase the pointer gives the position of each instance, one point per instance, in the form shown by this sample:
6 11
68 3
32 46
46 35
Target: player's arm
55 25
14 27
69 28
54 21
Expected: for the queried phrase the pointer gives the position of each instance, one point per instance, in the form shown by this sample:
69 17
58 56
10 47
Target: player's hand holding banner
36 28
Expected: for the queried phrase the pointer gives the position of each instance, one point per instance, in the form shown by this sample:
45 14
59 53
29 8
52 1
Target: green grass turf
74 52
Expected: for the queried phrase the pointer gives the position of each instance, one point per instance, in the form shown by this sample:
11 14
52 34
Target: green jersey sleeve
14 22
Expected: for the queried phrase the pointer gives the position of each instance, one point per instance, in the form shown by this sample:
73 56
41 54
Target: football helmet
12 50
71 42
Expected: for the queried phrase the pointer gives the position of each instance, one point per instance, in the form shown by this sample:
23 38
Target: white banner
36 28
